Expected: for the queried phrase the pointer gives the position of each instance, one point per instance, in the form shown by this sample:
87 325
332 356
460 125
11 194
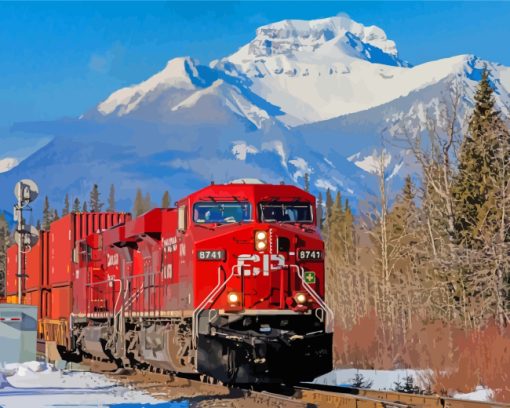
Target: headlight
261 235
233 298
300 298
260 240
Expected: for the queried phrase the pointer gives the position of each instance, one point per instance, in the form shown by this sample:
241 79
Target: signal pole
25 192
19 215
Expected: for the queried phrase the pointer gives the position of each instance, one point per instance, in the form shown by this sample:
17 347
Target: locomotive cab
258 259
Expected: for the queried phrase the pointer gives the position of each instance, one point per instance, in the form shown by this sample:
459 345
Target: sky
61 59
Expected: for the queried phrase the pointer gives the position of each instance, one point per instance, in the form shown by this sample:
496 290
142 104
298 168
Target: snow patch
37 384
302 167
276 146
329 162
479 394
325 185
372 163
396 170
381 379
241 149
8 163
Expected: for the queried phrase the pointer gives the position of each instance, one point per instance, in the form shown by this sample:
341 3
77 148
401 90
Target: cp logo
251 264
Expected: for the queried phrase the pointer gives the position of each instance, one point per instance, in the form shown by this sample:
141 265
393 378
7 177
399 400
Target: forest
423 280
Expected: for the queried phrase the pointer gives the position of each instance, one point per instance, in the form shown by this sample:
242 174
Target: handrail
315 296
134 296
209 299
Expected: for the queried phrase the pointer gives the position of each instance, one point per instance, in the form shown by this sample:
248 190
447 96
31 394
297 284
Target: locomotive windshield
285 212
221 212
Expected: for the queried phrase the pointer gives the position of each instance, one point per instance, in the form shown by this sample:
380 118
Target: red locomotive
229 284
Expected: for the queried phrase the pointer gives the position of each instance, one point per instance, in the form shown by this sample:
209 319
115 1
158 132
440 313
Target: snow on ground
381 379
37 385
480 394
386 379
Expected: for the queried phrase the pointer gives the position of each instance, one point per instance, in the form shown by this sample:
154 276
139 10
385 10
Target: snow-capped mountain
301 97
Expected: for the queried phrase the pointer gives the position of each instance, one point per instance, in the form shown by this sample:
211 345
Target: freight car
229 284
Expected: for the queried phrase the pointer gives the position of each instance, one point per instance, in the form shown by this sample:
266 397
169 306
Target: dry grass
458 360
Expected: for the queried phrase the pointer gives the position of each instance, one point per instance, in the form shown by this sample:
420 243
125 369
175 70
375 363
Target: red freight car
36 264
64 235
35 283
49 275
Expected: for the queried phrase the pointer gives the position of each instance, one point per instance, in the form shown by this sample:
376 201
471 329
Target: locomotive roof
253 192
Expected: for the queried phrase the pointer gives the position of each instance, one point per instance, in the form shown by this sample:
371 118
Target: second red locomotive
229 283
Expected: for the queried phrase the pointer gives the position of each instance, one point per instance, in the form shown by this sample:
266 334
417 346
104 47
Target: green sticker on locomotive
309 277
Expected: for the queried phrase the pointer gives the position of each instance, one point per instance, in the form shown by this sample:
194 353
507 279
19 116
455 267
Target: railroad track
200 394
206 395
332 396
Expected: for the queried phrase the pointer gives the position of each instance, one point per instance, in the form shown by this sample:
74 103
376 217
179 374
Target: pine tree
55 216
84 207
65 210
138 206
482 171
165 201
38 225
4 242
329 202
111 199
47 215
307 182
147 205
95 203
76 205
320 210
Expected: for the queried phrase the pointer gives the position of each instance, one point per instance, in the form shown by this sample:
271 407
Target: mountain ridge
301 97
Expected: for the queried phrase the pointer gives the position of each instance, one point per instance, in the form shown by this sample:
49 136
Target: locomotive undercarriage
263 349
232 348
162 344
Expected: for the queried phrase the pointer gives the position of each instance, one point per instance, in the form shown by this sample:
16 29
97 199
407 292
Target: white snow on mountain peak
295 72
293 37
232 97
178 73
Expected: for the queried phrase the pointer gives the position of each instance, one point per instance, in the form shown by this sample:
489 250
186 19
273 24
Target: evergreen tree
147 205
38 225
329 202
95 202
111 199
482 171
65 210
76 205
47 215
55 215
138 206
320 210
84 207
165 201
307 182
4 242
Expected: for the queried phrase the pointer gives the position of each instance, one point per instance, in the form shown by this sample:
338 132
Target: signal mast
26 236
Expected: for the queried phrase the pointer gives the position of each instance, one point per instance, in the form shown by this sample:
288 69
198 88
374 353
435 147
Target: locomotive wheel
231 365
